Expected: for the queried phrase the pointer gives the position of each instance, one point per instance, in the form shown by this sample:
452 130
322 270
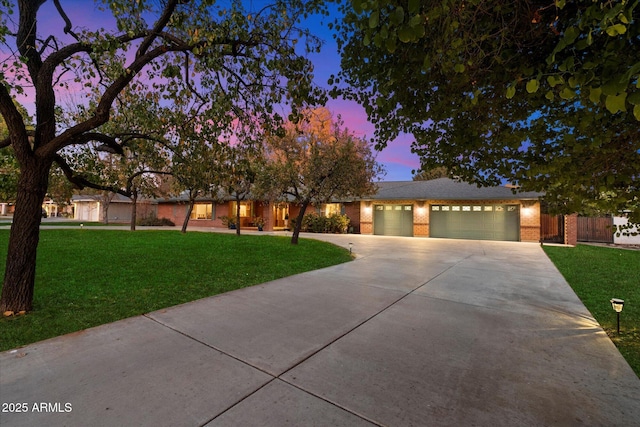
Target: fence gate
595 229
552 228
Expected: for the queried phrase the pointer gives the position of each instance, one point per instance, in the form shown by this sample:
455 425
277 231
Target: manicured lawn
598 274
87 278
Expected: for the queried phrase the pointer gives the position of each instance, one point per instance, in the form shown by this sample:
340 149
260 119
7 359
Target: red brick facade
571 229
361 215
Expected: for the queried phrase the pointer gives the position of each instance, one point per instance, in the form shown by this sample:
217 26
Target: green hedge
334 223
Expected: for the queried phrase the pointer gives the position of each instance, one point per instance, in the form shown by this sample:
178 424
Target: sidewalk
423 332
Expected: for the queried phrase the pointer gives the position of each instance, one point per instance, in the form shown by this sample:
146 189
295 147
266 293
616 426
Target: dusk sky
396 158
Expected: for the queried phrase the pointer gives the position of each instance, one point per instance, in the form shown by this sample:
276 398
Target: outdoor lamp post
350 247
617 305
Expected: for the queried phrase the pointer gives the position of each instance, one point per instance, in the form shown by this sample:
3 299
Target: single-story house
90 208
437 208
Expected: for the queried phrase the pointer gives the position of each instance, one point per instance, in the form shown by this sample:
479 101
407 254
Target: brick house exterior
418 203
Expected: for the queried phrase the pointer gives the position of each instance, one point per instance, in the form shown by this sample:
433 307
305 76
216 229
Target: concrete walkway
415 332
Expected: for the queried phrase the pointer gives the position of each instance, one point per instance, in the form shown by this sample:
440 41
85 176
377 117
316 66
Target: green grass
598 274
87 278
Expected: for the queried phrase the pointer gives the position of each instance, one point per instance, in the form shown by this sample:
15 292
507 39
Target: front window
329 209
246 209
202 211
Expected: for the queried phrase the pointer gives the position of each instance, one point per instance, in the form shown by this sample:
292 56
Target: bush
334 223
228 221
153 220
338 223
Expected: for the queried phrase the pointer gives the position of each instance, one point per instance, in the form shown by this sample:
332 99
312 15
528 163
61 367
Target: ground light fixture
617 305
350 247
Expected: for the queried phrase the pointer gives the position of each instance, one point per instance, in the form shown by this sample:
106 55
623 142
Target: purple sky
396 158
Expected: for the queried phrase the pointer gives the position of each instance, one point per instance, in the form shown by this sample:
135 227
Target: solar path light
617 305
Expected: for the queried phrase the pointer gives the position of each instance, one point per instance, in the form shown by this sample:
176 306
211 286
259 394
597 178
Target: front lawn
598 274
87 278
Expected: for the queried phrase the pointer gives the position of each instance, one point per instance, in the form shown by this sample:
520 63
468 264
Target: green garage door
481 222
393 220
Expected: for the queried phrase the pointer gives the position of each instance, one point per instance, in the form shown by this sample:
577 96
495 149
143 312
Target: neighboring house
90 208
6 208
436 208
626 240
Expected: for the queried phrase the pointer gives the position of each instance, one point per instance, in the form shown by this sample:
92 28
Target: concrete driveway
415 332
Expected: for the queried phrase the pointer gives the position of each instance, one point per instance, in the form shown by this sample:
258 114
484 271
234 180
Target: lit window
466 208
201 211
477 208
329 209
455 208
435 208
245 209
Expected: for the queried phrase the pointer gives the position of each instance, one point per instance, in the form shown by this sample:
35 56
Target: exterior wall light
617 305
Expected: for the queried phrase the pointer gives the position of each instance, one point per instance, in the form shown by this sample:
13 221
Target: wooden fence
552 228
595 229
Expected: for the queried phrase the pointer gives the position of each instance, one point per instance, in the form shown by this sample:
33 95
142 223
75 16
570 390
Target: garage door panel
480 222
393 220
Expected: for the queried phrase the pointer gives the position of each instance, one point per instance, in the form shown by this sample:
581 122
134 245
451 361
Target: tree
427 175
9 169
196 162
249 58
317 161
543 94
243 162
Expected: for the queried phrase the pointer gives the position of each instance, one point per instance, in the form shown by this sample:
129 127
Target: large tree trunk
298 226
186 218
20 269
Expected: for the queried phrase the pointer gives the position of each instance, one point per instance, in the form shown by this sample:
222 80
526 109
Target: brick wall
421 219
352 210
571 229
530 222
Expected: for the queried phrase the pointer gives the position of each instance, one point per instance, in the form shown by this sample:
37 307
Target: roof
117 198
446 189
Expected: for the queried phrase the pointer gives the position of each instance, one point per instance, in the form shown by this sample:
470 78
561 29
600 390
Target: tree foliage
241 58
544 94
316 161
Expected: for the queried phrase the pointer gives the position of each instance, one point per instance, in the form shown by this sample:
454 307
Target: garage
479 222
393 220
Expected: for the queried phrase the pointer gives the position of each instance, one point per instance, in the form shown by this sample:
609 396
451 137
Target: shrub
338 223
334 223
228 221
153 220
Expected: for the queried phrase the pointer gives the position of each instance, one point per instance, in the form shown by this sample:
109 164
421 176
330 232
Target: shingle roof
445 189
